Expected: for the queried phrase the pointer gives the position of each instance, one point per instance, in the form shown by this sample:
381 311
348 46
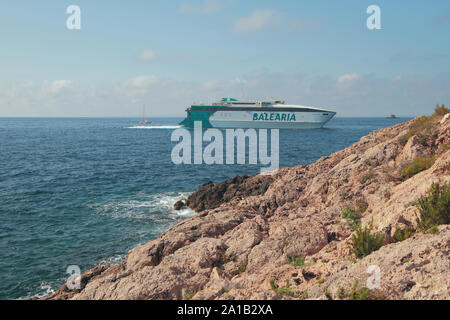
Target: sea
84 191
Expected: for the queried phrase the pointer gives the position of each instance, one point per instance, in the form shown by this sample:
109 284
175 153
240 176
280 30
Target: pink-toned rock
237 243
417 268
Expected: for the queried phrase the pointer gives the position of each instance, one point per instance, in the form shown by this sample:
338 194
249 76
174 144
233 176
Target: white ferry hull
245 119
230 113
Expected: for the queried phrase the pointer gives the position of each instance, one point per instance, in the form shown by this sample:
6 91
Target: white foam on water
153 127
114 259
160 203
146 207
44 290
188 212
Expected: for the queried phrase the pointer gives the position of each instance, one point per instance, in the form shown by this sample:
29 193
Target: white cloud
348 78
257 21
141 82
55 87
206 7
349 94
211 85
147 56
265 18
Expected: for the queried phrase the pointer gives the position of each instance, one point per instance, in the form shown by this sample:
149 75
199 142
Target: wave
44 290
153 127
156 207
113 260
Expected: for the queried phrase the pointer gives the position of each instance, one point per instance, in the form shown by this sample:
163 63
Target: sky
167 55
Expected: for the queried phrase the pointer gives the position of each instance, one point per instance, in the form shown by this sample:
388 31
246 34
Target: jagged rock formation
248 227
210 196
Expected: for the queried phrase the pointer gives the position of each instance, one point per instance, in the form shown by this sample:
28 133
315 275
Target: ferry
270 114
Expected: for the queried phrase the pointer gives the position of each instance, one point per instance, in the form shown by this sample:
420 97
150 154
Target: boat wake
153 127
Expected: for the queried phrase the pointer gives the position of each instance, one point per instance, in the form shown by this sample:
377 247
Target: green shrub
304 295
405 260
191 294
403 140
364 243
419 164
341 293
353 216
362 205
328 294
367 177
423 125
358 293
242 268
441 110
286 290
296 261
434 208
403 234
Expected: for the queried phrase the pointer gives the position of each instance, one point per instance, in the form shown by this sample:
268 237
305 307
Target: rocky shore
291 235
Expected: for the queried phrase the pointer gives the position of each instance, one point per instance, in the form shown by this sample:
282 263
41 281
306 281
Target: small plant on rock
362 205
191 294
419 164
403 234
434 208
441 110
296 261
304 295
424 126
364 242
328 294
358 293
367 177
352 216
286 290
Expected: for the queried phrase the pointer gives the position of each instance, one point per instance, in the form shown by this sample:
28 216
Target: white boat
271 114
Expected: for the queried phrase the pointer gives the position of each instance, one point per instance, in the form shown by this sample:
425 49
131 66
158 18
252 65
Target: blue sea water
86 191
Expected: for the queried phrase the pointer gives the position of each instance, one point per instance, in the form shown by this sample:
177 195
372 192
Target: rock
210 196
65 293
247 227
417 268
180 204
